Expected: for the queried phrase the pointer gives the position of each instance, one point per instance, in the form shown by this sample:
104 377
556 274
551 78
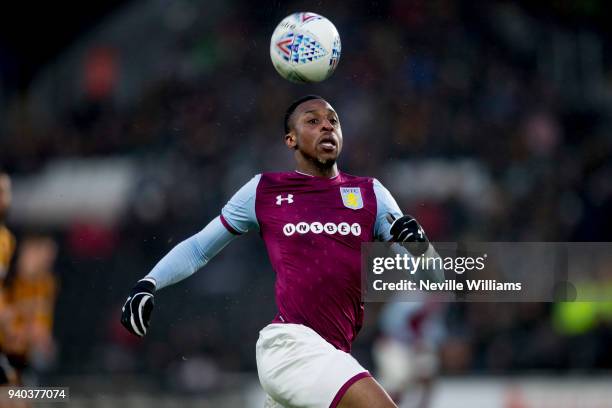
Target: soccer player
8 374
7 240
313 221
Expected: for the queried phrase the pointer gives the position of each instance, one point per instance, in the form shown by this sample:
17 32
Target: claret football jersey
313 228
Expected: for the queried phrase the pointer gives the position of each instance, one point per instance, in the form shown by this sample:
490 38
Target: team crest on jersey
351 197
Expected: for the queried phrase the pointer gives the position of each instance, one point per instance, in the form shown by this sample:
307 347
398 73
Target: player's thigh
366 393
298 368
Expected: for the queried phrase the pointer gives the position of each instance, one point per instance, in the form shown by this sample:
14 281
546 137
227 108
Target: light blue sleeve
385 204
191 254
239 212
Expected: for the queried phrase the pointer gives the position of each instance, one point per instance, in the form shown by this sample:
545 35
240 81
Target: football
305 47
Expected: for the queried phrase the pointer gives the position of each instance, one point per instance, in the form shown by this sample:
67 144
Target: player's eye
313 121
333 121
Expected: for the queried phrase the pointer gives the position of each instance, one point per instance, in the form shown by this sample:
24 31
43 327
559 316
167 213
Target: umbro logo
280 199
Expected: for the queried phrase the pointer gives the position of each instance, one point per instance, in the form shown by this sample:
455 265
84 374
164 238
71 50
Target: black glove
136 312
407 229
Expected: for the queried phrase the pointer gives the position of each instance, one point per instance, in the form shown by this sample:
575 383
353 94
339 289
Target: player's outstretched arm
237 217
181 262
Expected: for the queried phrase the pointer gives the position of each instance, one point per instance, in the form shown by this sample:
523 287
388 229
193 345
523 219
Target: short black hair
294 106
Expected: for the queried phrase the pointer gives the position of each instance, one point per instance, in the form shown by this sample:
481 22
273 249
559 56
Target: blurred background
126 125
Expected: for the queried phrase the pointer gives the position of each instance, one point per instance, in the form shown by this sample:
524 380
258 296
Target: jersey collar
317 177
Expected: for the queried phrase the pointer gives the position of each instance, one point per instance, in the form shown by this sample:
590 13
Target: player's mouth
328 144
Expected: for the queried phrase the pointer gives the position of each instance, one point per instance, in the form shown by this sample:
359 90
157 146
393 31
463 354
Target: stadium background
488 122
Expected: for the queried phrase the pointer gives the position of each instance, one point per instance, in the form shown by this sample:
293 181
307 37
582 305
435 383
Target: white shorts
298 368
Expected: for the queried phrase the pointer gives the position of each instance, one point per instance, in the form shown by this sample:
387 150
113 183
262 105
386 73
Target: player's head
5 194
312 128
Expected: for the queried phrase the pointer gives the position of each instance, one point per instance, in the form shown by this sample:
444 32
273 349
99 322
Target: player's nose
326 125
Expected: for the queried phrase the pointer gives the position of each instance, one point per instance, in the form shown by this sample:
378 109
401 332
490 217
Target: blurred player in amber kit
7 241
7 248
31 294
27 298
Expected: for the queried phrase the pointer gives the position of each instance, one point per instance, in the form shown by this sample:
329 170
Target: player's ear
291 139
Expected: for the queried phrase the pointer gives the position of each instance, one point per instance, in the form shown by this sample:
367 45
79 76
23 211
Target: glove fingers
136 311
126 314
405 235
138 305
134 327
133 324
406 229
402 223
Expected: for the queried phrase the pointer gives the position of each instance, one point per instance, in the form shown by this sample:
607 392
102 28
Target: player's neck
311 169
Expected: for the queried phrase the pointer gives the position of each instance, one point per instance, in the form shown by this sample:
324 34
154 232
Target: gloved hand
407 229
136 312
